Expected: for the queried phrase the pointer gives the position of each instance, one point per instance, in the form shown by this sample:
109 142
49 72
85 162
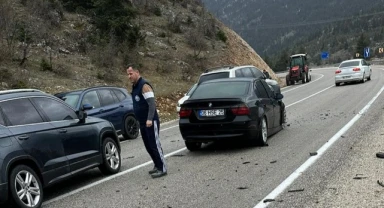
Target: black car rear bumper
206 132
3 192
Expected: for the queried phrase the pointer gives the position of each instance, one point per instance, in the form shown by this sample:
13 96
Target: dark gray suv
43 141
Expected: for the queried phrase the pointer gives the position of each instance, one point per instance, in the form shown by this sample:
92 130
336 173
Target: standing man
266 74
144 107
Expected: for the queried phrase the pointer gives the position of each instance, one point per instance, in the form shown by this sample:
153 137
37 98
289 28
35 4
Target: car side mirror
87 107
279 96
81 114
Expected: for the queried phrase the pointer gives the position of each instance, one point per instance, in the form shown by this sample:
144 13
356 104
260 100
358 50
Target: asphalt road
235 175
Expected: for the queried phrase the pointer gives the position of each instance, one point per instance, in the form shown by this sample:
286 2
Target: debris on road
246 163
380 183
268 200
295 190
242 187
359 177
313 153
273 161
380 155
179 155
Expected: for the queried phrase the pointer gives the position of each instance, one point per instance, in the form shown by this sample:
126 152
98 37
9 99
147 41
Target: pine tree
362 43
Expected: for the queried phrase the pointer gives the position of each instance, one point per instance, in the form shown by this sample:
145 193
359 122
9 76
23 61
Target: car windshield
191 90
212 76
349 64
226 89
296 61
71 99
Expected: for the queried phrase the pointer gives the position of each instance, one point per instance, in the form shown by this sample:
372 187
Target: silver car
353 70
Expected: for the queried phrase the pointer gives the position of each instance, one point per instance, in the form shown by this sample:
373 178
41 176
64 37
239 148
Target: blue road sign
324 55
366 52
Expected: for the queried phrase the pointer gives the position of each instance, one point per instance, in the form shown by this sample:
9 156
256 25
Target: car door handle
63 131
24 137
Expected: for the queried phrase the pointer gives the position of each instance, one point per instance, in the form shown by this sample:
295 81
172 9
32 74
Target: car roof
351 60
232 79
15 93
299 54
79 91
225 69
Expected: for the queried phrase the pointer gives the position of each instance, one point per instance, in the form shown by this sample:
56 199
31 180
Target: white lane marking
303 85
106 179
309 96
288 181
160 131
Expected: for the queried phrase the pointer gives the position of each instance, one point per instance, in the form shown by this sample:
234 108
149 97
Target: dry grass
167 60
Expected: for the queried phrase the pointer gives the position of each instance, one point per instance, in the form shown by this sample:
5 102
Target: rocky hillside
61 45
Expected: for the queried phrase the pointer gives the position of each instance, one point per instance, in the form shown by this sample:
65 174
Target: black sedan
231 108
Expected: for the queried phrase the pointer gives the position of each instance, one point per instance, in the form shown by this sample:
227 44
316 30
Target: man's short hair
134 67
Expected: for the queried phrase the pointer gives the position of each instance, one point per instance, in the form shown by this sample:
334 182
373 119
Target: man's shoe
154 170
158 174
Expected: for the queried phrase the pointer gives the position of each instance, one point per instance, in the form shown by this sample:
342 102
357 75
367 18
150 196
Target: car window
247 72
257 73
349 64
120 95
2 122
238 73
364 63
107 98
21 112
221 90
55 110
269 89
92 99
260 90
212 76
191 90
71 99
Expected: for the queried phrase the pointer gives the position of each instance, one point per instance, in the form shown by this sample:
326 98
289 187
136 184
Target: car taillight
356 69
240 110
184 112
338 71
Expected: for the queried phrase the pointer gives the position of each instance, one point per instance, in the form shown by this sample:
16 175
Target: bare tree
8 25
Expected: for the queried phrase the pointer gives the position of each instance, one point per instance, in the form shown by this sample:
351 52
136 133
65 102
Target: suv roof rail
2 92
218 67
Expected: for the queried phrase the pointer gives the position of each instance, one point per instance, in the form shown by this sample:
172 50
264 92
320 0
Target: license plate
211 113
346 77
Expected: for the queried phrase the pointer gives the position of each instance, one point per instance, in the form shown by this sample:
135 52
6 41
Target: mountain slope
59 45
271 26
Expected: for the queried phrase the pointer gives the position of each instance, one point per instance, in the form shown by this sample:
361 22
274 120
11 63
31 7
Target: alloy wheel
112 155
27 188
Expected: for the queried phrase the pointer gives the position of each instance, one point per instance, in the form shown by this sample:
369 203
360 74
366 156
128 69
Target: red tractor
298 69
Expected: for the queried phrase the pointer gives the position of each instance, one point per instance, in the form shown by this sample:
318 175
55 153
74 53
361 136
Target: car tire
262 135
33 188
369 78
337 84
193 146
303 80
111 157
131 128
284 119
363 80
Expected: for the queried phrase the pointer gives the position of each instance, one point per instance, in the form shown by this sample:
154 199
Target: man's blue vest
140 105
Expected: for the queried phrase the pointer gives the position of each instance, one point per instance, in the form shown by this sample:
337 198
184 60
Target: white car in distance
186 96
